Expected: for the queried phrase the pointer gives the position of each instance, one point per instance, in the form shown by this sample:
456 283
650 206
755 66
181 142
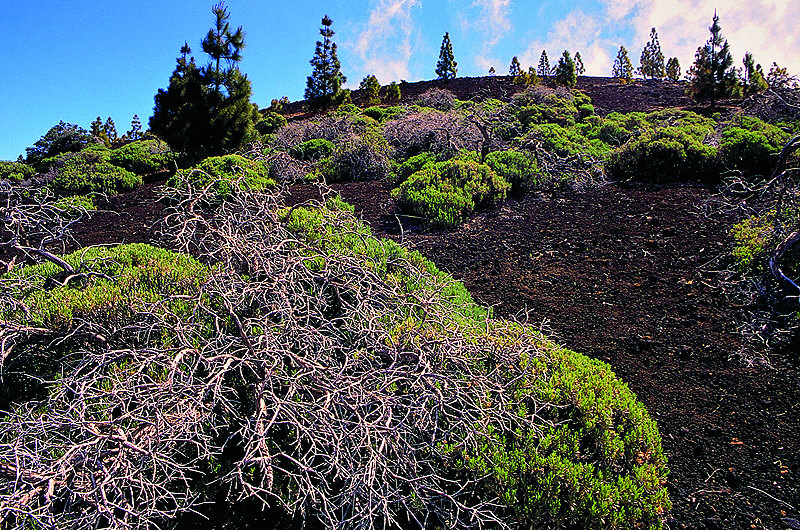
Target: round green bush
142 157
446 192
90 172
312 150
518 168
751 146
221 172
16 171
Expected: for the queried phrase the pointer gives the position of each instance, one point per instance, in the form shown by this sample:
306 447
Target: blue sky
72 61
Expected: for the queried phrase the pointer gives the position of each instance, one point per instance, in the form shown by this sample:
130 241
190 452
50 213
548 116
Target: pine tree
652 59
673 69
712 76
447 67
622 69
579 68
222 44
136 128
393 92
96 129
324 85
492 71
207 111
515 69
110 130
565 71
753 81
371 89
544 65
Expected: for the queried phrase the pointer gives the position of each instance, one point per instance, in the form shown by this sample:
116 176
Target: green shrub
598 463
566 141
446 192
381 114
674 153
518 168
221 172
270 122
405 169
142 157
137 277
751 237
751 146
312 150
89 172
16 171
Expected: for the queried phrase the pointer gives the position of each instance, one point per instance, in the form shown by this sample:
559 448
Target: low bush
518 168
446 192
382 114
751 146
675 149
411 165
437 98
224 174
142 157
270 122
359 157
89 171
114 284
312 150
751 237
16 171
564 141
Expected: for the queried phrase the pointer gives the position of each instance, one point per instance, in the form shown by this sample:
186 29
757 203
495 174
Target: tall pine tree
565 71
673 69
447 67
544 65
622 70
652 59
712 76
207 111
515 69
324 85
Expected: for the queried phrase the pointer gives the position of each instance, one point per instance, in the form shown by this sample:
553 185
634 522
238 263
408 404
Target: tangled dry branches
297 375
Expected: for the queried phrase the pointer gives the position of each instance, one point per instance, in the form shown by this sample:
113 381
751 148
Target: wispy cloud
493 22
577 32
767 28
385 44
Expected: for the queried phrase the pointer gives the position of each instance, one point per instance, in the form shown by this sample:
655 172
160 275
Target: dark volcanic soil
623 275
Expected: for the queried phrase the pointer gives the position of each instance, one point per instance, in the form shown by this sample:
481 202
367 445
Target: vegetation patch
446 192
142 157
224 174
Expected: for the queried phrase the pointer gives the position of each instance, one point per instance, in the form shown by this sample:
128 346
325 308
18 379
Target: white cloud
493 22
767 28
385 44
577 32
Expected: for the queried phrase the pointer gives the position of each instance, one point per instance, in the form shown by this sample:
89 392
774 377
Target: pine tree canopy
652 59
207 111
447 67
673 69
515 69
622 68
712 76
326 78
565 71
544 65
